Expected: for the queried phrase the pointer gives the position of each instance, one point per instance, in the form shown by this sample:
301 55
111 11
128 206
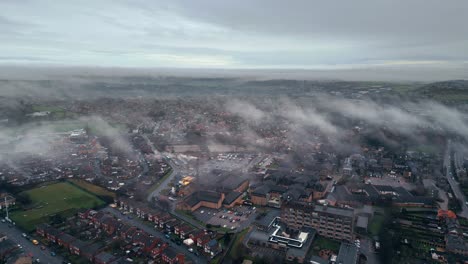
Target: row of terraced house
95 252
164 221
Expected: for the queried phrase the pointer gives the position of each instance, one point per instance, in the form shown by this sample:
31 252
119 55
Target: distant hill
455 91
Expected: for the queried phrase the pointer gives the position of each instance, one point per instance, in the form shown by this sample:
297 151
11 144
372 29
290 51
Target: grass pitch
62 199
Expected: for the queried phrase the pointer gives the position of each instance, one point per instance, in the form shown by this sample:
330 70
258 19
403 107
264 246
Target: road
154 232
15 235
175 171
454 184
367 248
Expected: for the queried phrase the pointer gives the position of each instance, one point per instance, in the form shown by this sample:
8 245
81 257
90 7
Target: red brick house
91 214
97 219
123 230
158 249
65 240
109 224
142 212
130 233
170 256
171 224
185 231
212 247
160 217
163 219
197 234
201 241
90 251
149 216
84 214
143 239
77 246
41 229
52 234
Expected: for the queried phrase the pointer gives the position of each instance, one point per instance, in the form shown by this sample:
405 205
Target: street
15 235
165 183
156 233
453 184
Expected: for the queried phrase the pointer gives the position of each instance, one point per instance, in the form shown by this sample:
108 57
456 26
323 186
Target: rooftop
334 210
231 197
362 221
348 254
267 220
199 196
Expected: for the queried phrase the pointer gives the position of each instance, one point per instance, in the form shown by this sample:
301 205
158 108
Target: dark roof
104 257
362 221
261 190
302 252
93 248
268 218
334 210
80 244
212 243
199 196
294 192
66 238
231 197
268 187
171 253
53 231
348 254
232 182
384 188
125 228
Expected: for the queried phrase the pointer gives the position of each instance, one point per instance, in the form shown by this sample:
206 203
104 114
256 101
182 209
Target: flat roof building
332 222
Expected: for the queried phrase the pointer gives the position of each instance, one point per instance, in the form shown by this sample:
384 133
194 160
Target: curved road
175 171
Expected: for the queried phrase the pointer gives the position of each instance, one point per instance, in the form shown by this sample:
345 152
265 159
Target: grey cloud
241 34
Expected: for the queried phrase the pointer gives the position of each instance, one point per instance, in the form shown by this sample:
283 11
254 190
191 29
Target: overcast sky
236 34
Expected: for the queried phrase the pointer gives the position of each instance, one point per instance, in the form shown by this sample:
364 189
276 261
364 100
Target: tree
57 219
24 198
227 238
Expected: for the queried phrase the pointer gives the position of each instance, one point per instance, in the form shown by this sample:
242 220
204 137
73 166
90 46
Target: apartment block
332 222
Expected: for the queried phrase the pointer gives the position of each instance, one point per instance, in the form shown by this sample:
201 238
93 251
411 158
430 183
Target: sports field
56 199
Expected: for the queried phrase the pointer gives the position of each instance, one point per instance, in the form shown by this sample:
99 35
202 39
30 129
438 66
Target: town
333 178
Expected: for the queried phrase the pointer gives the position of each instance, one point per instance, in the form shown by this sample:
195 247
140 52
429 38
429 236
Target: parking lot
228 161
236 218
392 181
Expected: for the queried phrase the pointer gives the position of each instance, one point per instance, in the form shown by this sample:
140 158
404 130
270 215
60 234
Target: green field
62 199
94 189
